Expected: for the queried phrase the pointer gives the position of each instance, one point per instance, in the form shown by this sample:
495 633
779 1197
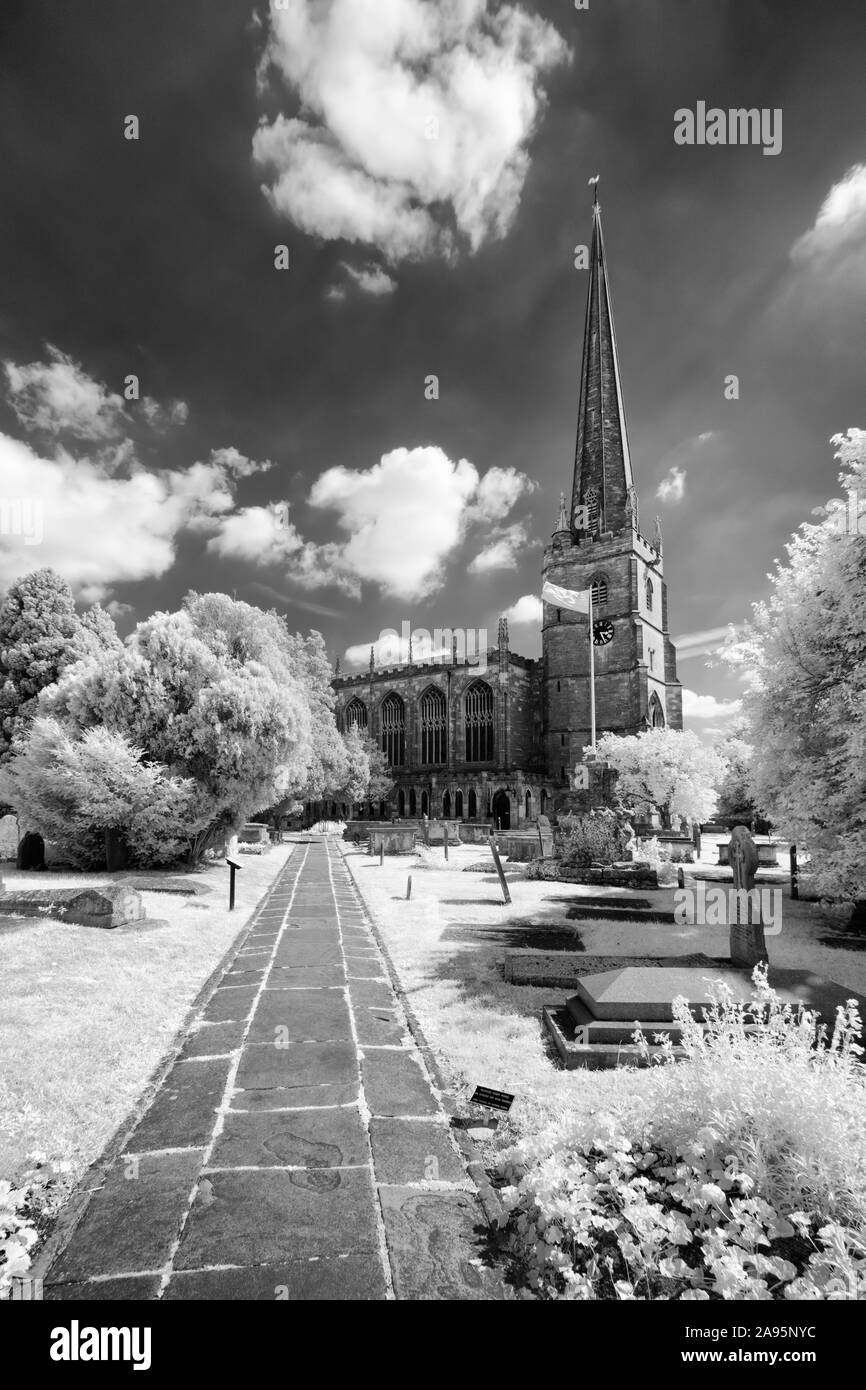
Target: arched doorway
473 804
412 804
458 805
401 803
656 713
528 810
502 811
446 806
425 806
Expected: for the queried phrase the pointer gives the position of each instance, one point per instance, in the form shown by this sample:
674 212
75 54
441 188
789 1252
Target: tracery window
649 595
479 723
599 591
394 729
434 719
356 714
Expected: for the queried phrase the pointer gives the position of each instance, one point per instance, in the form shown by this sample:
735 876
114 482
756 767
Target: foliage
23 1208
669 770
40 635
586 839
75 788
803 659
216 692
366 770
736 794
737 1173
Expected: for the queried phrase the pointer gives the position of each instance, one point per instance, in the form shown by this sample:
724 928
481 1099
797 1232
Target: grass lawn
88 1014
448 941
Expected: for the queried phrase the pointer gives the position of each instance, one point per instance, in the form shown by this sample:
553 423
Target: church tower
598 543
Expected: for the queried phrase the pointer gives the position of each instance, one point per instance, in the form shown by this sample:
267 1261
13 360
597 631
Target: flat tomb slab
110 906
647 992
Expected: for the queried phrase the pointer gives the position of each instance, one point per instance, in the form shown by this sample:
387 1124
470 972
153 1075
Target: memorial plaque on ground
494 1100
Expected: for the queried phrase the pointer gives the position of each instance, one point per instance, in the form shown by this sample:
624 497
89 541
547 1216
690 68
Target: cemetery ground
447 944
88 1014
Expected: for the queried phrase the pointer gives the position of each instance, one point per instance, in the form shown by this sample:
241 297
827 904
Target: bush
738 1173
584 840
24 1210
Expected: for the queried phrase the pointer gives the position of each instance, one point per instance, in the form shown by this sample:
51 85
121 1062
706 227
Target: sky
331 203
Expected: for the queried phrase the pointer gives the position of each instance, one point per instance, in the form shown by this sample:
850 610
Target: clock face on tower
602 632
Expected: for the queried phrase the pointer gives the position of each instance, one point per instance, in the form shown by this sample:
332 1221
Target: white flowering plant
736 1173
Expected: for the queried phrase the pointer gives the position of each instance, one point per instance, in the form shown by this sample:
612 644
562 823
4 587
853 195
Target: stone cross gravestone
747 944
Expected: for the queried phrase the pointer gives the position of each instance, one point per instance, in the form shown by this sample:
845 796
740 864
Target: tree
78 790
40 635
367 777
668 770
736 794
216 692
803 661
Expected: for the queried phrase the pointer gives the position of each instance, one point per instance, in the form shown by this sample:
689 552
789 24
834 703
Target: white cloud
501 553
672 487
99 530
103 518
414 123
838 233
705 643
708 707
58 397
527 610
498 491
370 279
403 518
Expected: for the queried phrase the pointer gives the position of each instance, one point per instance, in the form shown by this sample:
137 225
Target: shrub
24 1209
585 839
739 1172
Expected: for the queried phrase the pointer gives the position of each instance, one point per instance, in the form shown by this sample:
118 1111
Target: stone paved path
297 1148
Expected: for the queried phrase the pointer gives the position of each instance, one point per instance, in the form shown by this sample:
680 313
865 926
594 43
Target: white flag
577 600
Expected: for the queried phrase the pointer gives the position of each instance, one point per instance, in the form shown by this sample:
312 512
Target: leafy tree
803 661
215 692
367 777
736 796
668 770
78 789
40 635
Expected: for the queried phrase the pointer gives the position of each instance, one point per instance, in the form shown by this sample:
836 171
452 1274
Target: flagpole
591 674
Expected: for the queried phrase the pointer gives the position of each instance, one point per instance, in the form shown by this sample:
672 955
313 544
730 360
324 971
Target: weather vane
593 183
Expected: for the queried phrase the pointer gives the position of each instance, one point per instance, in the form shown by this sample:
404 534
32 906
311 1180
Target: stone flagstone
296 1148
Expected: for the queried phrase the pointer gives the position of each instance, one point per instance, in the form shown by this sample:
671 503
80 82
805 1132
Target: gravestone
545 837
9 837
114 905
31 851
747 944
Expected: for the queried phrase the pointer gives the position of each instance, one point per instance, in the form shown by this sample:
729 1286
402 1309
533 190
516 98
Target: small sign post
445 837
492 1100
795 874
233 868
498 862
381 851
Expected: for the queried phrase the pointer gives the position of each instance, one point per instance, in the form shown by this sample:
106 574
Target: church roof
602 463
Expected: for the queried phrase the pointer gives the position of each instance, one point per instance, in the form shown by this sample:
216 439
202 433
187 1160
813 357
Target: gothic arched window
479 723
356 715
649 595
599 591
433 726
394 729
656 713
473 804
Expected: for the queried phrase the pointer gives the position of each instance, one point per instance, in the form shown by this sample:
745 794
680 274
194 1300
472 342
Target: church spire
602 463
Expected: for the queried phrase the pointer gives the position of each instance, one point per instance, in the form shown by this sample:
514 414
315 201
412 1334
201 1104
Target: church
497 740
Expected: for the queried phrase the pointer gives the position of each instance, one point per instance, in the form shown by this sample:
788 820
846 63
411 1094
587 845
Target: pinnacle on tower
602 463
372 661
562 519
